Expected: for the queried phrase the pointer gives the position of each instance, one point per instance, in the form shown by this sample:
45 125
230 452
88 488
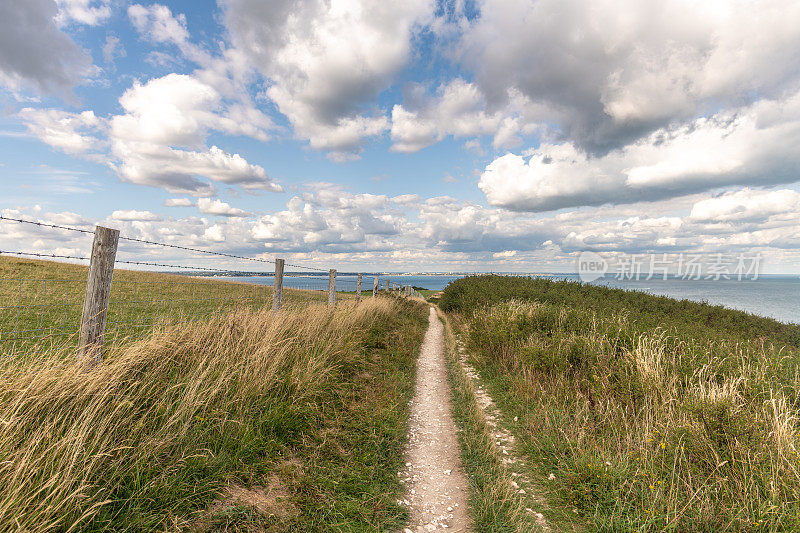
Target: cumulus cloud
166 115
132 215
332 220
35 52
87 12
73 133
459 109
327 223
219 208
504 255
607 72
327 61
228 71
747 205
158 24
456 226
752 145
178 202
160 139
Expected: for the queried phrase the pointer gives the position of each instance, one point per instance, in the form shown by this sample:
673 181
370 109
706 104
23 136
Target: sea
774 296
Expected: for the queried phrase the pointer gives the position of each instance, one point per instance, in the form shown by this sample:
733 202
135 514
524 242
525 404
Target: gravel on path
436 485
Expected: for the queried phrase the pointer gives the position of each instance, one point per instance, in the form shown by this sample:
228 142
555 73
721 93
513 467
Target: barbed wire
46 225
145 263
190 249
227 271
166 245
307 267
44 255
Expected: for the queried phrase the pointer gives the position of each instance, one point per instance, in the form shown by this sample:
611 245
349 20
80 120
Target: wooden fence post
375 286
387 285
332 288
358 289
98 289
277 285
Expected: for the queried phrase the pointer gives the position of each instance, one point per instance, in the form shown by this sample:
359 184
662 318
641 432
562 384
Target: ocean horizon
775 296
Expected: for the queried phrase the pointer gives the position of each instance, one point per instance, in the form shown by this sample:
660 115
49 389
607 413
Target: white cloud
746 205
405 199
410 132
504 255
112 49
329 226
73 133
168 114
752 145
219 208
214 234
326 61
159 25
35 52
87 12
228 72
458 109
132 215
332 220
178 202
160 140
67 218
606 72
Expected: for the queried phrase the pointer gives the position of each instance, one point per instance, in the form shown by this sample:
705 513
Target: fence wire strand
155 243
38 314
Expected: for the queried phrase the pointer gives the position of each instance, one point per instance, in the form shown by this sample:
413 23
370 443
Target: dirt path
436 484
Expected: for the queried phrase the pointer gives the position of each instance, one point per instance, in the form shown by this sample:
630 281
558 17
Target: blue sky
490 135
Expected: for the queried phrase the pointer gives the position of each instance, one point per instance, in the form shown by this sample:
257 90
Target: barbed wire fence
112 306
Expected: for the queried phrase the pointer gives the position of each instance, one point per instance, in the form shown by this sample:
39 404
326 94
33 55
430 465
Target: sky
487 135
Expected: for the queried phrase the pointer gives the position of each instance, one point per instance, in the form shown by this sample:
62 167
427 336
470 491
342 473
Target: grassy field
651 414
41 302
249 421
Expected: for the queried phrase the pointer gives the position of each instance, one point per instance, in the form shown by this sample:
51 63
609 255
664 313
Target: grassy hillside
252 421
651 414
41 301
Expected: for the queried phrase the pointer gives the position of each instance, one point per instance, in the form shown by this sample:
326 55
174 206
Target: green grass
495 505
42 302
652 414
249 421
646 311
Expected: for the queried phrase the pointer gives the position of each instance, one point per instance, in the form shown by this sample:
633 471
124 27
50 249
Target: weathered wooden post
332 288
375 286
358 288
277 285
98 289
387 285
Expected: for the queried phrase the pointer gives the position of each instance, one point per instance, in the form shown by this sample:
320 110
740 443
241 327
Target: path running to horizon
436 486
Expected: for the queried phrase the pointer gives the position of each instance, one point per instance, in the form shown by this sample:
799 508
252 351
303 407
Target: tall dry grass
150 433
649 429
